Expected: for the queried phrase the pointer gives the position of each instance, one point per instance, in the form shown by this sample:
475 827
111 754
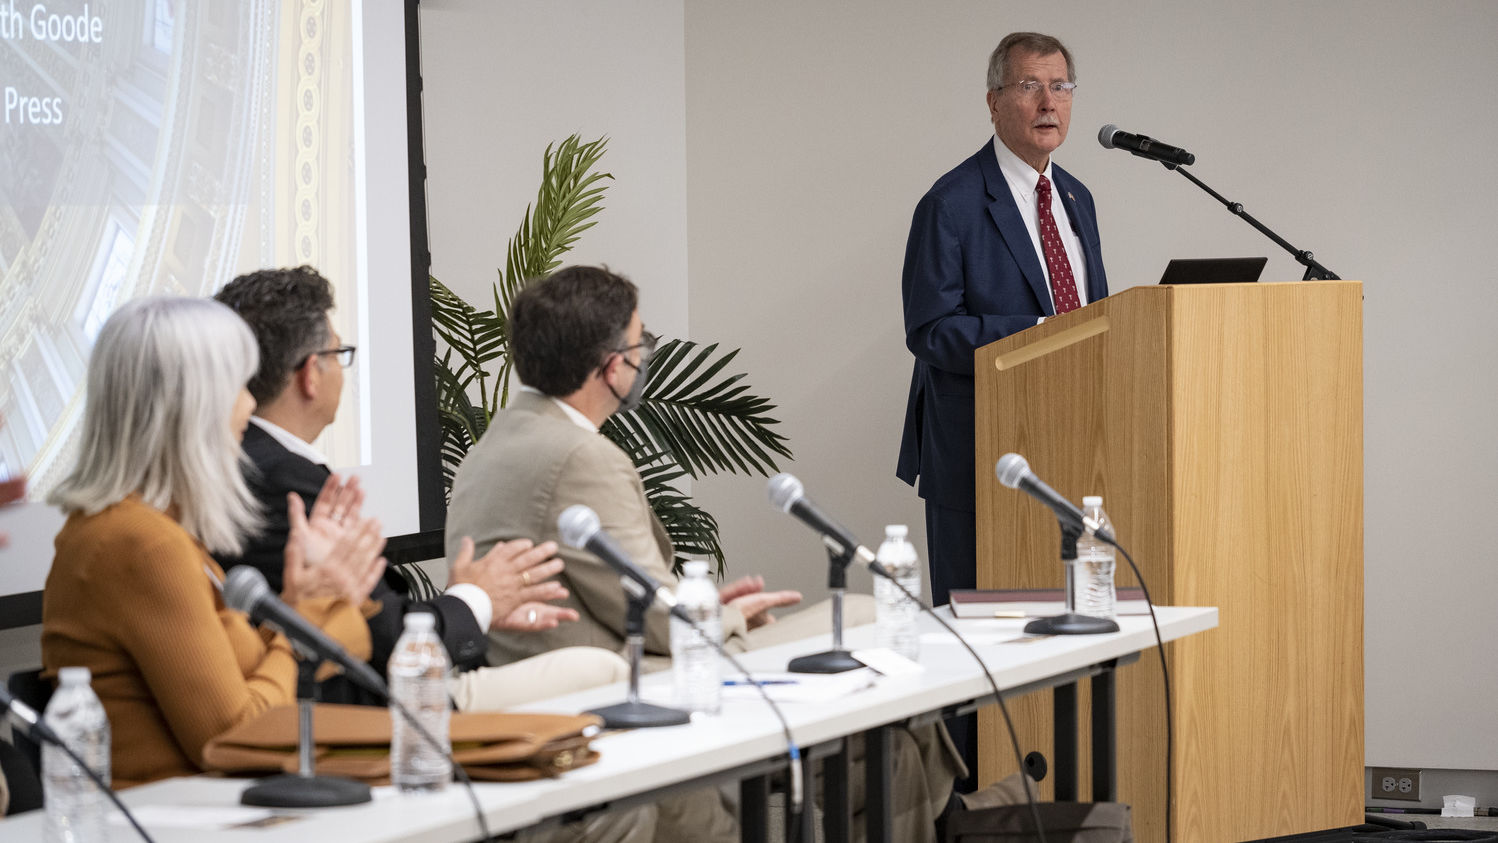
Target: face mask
631 400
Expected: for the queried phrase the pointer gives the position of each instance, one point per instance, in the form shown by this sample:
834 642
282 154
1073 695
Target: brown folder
354 741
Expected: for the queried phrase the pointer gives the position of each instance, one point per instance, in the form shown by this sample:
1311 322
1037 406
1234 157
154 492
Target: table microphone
30 722
37 729
789 496
579 527
245 589
1014 471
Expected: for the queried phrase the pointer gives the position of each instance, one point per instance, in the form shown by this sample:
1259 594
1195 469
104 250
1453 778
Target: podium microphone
1014 471
1112 137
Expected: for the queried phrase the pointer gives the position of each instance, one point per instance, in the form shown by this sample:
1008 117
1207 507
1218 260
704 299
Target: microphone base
640 715
832 661
290 791
1070 623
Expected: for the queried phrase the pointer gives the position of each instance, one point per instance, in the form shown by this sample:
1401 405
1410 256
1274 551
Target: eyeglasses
646 345
344 353
1031 88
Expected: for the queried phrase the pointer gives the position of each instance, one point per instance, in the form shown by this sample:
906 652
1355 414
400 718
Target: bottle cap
74 676
1092 500
696 568
896 531
420 622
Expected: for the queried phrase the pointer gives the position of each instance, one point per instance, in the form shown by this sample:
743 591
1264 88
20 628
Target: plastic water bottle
418 680
694 659
895 614
1093 576
75 806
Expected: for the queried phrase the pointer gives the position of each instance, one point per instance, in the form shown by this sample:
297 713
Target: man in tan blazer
581 352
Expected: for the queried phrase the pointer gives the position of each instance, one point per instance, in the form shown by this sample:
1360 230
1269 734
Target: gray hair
1025 42
163 379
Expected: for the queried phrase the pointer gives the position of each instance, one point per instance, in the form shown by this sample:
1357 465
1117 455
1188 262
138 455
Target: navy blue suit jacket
971 276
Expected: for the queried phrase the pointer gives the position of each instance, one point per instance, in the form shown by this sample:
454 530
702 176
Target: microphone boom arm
1314 270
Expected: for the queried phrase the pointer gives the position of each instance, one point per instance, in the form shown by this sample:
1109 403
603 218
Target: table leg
1065 762
1104 738
837 812
879 787
754 809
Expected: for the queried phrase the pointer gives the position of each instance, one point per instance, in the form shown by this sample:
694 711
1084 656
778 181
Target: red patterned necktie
1063 285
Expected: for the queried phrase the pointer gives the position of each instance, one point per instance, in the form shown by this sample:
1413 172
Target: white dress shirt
572 412
475 597
1022 180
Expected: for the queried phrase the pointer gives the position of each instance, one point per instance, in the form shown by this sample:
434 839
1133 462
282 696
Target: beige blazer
533 463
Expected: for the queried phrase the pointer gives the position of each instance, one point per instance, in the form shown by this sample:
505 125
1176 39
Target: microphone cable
40 732
1019 757
371 683
478 811
797 783
785 491
1165 678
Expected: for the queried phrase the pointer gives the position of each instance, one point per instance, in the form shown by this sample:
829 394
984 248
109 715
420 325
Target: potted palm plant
695 419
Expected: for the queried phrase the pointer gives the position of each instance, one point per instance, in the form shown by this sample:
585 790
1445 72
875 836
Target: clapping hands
332 551
516 576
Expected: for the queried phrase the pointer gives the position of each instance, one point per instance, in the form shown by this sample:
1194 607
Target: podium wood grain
1222 423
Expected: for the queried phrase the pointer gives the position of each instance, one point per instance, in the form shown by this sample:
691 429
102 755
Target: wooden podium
1223 426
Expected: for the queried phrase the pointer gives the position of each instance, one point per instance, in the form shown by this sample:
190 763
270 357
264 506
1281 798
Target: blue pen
762 682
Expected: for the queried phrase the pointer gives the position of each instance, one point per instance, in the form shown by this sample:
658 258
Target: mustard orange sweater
129 598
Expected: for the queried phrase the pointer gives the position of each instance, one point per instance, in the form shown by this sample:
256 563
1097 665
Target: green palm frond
462 422
569 197
693 531
419 585
708 422
478 337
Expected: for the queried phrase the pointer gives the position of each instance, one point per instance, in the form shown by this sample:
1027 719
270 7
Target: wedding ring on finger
530 617
525 578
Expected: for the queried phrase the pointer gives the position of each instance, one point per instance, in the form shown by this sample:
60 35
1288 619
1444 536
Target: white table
744 741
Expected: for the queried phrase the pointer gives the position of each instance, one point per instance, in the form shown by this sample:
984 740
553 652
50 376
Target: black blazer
274 472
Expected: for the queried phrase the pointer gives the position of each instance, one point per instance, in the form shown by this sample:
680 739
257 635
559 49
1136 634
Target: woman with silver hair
133 593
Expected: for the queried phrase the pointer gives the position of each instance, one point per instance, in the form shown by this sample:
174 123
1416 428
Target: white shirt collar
290 441
1021 176
572 412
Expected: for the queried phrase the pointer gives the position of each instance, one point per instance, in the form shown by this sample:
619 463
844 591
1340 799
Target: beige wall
503 80
796 137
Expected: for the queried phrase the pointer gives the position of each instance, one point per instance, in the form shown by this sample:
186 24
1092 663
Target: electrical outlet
1396 783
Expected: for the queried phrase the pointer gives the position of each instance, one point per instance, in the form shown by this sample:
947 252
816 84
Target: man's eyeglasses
1032 88
344 353
646 345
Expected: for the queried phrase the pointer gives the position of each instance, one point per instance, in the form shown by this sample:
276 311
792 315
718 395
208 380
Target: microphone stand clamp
635 713
1070 623
837 659
304 788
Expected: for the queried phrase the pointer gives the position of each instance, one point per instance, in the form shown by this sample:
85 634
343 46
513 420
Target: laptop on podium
1213 270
